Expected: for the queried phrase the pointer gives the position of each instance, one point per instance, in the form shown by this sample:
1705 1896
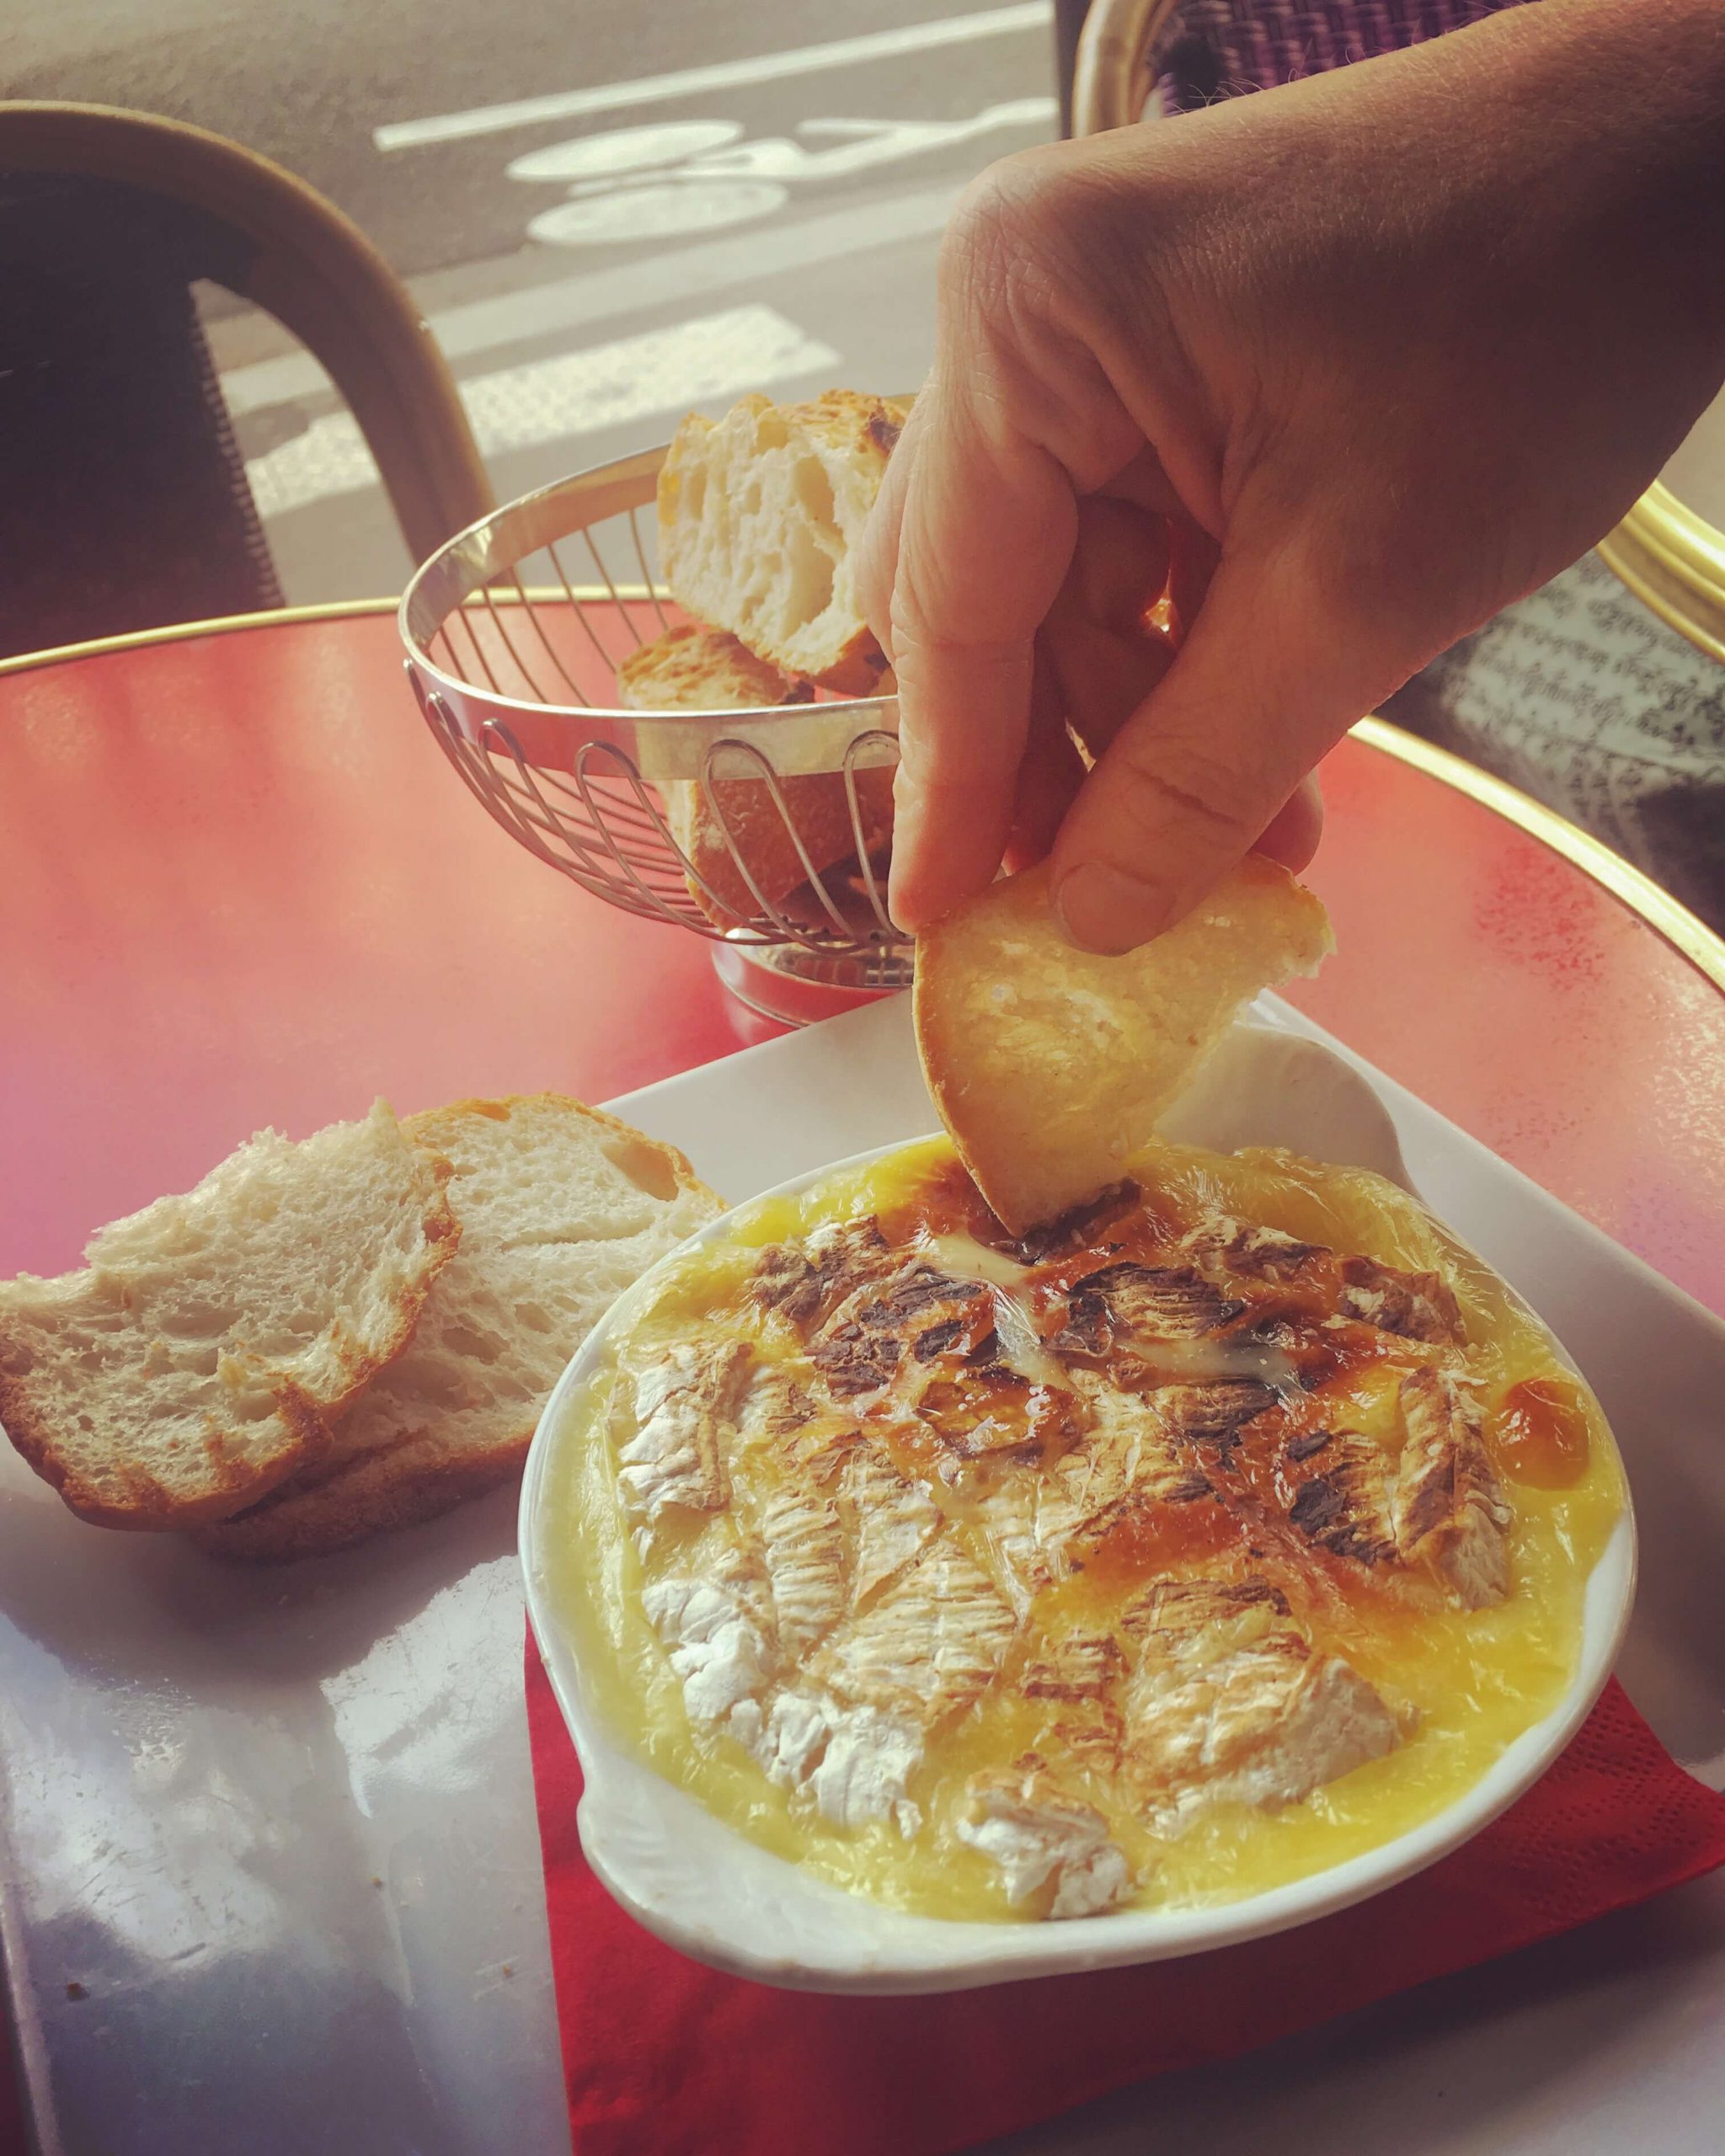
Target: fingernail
1101 909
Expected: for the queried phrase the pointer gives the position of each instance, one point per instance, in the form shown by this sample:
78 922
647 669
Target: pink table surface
239 885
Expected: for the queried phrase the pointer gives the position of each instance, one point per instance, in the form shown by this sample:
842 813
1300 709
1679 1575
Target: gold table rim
268 617
1668 916
1672 560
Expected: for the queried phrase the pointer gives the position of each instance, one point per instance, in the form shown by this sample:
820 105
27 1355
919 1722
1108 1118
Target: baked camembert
1216 1533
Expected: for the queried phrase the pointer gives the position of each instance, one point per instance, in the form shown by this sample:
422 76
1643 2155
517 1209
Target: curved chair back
292 252
1139 58
1115 74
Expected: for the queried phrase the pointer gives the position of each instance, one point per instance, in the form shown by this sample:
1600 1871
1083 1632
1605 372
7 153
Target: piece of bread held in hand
561 1209
696 668
196 1361
1050 1065
759 516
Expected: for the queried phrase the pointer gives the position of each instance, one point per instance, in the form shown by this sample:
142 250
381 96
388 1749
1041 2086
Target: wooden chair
125 504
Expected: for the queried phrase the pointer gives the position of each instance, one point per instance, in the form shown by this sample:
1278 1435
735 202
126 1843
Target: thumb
1266 683
876 555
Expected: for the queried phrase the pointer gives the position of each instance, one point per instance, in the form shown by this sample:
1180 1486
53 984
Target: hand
1376 354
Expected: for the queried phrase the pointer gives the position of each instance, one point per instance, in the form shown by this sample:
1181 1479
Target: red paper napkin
664 2057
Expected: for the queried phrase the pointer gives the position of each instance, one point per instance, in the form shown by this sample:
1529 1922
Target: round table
239 885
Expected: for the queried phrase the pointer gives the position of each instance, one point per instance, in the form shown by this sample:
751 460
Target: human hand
1384 350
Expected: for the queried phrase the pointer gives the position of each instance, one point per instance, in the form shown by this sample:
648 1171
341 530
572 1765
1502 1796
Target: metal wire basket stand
513 652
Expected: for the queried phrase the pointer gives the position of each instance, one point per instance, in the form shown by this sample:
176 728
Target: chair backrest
273 240
1115 76
1140 59
124 503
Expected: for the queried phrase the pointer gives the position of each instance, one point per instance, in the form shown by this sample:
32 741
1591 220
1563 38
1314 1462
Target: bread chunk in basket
694 668
759 512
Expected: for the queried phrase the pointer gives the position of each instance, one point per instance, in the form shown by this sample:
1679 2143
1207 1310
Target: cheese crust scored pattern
1053 1550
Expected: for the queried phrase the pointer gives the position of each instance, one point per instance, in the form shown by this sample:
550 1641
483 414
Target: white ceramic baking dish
708 1891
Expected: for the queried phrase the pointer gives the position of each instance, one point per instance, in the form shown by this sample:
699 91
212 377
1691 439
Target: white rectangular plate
278 1826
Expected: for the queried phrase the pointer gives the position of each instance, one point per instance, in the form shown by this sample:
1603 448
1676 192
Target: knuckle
1159 783
991 218
1032 295
1017 231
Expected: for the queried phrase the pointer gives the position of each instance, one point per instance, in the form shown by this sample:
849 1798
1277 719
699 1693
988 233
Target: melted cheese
894 1817
962 1257
1207 1361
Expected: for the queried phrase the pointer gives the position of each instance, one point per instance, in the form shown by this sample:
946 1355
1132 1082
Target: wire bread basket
514 631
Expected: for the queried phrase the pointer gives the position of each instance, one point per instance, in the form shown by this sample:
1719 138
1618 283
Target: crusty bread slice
561 1208
694 668
191 1365
758 514
1050 1065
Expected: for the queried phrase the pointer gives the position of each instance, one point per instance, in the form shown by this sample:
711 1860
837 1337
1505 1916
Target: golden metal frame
1667 917
1685 931
326 609
1112 81
1674 561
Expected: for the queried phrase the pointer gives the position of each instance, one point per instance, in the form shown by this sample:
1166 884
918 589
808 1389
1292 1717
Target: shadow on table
114 1603
1535 2053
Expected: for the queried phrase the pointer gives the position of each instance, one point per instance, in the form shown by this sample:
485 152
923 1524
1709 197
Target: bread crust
428 1127
695 668
146 1505
1048 1065
373 1495
436 1126
331 1505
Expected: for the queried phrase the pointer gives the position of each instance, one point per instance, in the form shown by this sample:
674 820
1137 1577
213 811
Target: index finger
985 527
